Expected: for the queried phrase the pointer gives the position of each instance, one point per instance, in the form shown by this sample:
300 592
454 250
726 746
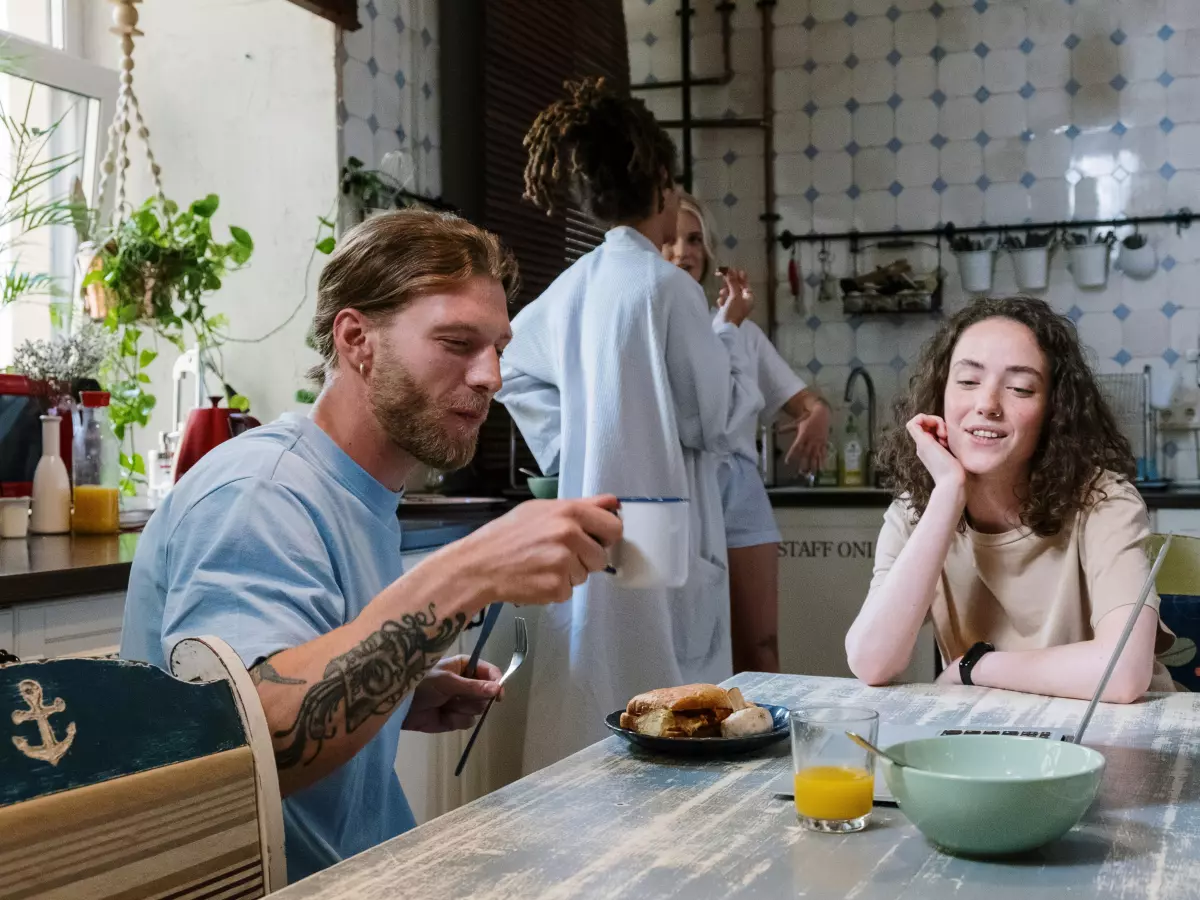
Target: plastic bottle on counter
829 470
852 474
96 469
51 485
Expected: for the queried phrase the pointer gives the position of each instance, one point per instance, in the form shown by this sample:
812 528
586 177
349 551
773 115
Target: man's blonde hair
383 264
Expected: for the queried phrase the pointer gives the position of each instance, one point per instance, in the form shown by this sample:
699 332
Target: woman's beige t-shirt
1020 591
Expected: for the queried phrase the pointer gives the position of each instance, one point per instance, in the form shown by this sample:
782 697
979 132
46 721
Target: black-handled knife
489 621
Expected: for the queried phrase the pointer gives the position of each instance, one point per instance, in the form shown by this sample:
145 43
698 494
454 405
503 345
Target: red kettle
205 429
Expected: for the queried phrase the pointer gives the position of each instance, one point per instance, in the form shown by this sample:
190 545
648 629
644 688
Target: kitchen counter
871 498
46 567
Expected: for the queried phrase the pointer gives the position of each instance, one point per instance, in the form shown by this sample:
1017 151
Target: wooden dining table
612 821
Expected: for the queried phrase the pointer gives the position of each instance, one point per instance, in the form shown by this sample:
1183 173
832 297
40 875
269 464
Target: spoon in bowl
871 748
525 471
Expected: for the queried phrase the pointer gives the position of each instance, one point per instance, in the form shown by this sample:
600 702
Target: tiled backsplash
910 113
389 98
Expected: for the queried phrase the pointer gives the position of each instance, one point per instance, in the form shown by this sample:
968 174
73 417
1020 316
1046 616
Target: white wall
240 97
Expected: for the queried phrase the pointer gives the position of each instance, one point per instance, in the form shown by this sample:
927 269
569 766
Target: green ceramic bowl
980 795
544 488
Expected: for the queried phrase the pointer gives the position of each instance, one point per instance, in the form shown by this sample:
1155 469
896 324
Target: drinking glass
834 777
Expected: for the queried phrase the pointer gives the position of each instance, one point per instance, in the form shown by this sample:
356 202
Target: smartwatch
972 656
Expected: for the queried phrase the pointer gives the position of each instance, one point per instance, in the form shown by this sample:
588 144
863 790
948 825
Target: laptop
896 733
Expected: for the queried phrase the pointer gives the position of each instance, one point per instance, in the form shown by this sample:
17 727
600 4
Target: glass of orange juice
834 777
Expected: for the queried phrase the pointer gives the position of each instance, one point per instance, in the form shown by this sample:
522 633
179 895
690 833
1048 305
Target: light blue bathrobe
622 384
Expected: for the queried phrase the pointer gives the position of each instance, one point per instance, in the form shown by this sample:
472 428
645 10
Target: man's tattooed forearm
368 680
264 671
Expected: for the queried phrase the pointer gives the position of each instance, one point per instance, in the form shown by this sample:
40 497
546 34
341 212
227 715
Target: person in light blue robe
621 383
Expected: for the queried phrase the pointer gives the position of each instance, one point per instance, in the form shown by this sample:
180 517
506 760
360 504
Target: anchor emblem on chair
51 749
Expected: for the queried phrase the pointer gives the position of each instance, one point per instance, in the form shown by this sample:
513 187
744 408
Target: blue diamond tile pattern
982 95
1122 357
813 322
1026 136
1072 132
729 158
811 194
814 366
851 18
730 241
1166 33
1027 90
1118 37
895 145
894 57
811 152
1166 79
939 185
852 148
1028 179
1170 356
1075 314
372 67
1073 87
371 9
1119 129
894 101
893 14
898 363
401 81
982 50
937 10
1121 312
1168 263
372 123
1027 46
938 97
809 23
938 53
730 199
983 182
895 189
1167 171
1170 449
853 192
1169 309
852 106
1071 42
810 109
810 66
939 141
983 139
980 6
650 39
851 61
1118 83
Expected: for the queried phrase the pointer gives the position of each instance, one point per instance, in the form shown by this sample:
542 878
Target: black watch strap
972 656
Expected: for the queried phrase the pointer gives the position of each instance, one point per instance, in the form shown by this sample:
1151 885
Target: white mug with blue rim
655 546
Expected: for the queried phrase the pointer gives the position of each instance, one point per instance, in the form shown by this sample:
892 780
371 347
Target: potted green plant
976 262
1030 255
157 268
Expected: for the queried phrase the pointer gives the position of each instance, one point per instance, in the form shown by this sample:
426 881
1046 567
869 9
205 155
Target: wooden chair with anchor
118 779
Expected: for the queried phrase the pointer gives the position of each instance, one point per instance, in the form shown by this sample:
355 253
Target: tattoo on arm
264 671
368 680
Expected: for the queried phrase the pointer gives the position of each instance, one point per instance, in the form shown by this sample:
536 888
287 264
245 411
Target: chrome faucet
856 373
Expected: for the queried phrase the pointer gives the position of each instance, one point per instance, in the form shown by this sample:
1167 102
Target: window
57 108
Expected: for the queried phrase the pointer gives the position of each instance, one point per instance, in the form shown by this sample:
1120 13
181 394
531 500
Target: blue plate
705 746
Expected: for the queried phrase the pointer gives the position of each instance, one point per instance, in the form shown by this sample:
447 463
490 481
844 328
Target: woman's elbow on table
1129 682
868 667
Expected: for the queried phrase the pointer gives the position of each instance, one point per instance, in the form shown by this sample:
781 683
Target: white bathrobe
621 383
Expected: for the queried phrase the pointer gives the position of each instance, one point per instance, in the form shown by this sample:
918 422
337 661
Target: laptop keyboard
1032 734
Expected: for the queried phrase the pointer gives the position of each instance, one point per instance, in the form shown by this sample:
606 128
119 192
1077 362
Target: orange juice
97 510
834 792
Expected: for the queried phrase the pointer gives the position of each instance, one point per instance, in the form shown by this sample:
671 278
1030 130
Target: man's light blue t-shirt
270 541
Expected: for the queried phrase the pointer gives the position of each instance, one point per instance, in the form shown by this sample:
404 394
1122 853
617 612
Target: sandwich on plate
694 711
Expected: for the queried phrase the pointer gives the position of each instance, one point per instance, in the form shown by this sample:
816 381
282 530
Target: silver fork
520 648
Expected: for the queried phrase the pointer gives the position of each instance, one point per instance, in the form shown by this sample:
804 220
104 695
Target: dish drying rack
1128 396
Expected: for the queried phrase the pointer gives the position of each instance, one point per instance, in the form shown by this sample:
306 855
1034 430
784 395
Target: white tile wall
910 113
389 93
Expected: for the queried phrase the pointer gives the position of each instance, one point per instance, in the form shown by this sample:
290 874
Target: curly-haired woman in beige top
1016 527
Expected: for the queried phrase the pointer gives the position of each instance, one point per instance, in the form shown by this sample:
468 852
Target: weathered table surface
609 823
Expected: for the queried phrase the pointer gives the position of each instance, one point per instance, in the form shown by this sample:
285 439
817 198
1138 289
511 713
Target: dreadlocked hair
603 150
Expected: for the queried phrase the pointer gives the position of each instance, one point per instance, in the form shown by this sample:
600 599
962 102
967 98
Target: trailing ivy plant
157 269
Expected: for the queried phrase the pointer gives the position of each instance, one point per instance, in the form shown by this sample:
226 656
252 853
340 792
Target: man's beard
415 423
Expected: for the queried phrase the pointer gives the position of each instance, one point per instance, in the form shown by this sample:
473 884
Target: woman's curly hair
1080 439
602 149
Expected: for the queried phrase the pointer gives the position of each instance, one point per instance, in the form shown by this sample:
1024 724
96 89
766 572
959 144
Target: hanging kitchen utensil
797 286
829 282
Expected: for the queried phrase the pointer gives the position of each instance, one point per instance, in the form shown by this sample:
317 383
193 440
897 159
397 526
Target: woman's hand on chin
931 436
